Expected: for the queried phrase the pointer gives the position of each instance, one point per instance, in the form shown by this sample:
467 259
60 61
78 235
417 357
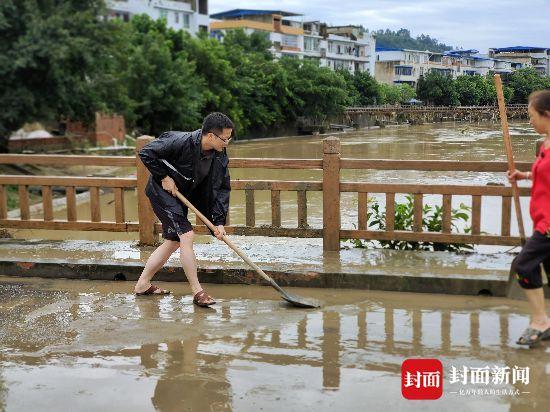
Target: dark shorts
171 212
174 223
527 264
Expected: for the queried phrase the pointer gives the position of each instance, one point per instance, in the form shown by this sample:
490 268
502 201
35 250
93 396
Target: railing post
146 215
331 194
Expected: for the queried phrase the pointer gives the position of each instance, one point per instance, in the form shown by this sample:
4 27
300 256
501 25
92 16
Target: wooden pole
146 215
331 194
509 153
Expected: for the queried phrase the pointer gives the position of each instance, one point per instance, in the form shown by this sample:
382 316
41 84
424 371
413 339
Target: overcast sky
470 24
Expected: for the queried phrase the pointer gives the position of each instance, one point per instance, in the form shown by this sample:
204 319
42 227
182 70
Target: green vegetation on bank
58 59
402 39
438 89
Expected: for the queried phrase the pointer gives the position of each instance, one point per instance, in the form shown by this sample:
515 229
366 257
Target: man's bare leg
155 262
189 261
539 319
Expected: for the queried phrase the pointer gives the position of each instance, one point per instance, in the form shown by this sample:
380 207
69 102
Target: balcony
255 25
241 24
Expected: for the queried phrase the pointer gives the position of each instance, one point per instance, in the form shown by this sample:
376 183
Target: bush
432 221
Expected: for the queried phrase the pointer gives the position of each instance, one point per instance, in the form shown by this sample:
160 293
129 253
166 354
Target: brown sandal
203 300
153 291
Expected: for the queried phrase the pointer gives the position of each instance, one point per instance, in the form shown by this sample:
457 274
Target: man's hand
516 175
169 185
219 232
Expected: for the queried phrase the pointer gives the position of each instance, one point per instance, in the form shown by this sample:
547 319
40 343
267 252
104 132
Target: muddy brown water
88 346
448 141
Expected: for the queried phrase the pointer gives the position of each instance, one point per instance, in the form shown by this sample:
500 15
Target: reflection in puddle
62 345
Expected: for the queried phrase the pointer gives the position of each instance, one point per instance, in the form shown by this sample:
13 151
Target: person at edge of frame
200 173
536 251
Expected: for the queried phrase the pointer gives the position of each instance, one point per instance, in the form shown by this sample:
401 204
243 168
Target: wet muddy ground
85 345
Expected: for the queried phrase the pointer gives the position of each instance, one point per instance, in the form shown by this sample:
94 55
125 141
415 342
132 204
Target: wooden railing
47 183
331 187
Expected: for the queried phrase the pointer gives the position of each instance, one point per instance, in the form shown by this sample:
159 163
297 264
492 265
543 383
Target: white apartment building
351 48
527 56
188 15
345 47
394 66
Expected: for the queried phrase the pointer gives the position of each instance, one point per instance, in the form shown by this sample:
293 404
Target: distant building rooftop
239 13
381 49
518 49
461 52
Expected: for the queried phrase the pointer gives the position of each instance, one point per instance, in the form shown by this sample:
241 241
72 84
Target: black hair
216 122
540 101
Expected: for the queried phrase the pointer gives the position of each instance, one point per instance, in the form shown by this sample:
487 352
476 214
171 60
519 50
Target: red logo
422 379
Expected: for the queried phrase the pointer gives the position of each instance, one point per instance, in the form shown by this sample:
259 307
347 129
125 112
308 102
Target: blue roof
388 49
236 13
470 51
518 48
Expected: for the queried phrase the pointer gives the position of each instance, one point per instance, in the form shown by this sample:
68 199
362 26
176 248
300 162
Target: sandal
153 290
202 299
527 337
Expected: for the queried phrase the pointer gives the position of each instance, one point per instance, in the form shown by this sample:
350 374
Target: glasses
222 139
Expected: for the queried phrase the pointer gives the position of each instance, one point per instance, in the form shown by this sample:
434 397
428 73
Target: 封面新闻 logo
422 379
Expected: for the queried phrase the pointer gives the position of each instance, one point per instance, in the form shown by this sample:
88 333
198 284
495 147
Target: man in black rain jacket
200 173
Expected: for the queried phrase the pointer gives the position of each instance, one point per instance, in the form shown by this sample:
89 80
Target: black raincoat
183 150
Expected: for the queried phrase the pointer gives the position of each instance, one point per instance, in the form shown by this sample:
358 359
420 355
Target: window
177 17
290 41
311 44
339 64
403 71
203 6
186 20
164 14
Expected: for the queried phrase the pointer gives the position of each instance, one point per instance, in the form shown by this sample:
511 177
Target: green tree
469 89
51 55
317 92
396 93
438 89
525 81
219 75
406 91
164 86
256 42
368 88
389 94
354 97
402 39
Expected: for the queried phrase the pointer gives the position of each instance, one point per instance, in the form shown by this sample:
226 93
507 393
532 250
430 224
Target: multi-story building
345 47
285 34
394 66
470 62
536 57
351 46
188 15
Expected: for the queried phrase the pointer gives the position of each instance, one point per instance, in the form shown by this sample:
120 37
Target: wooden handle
509 153
229 243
